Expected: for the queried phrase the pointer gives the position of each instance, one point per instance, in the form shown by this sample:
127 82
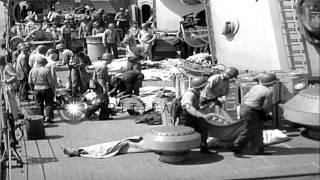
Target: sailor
67 54
54 32
22 70
52 57
122 20
79 77
84 29
110 39
191 116
97 28
134 30
218 87
15 54
8 79
97 17
256 105
134 59
37 34
41 51
99 84
43 84
130 44
146 37
126 83
66 34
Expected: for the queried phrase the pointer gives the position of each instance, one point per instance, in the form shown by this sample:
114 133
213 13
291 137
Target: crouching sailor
99 86
126 83
191 116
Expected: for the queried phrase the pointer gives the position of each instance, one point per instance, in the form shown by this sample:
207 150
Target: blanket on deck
105 150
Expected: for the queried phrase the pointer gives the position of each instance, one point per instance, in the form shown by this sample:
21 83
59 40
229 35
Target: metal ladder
294 42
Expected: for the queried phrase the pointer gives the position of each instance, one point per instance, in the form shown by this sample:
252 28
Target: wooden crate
232 100
287 83
246 86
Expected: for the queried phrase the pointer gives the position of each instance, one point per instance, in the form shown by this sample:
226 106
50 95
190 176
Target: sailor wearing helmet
97 28
66 34
23 69
190 114
43 84
255 105
218 87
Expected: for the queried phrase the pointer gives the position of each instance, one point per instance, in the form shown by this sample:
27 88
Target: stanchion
178 93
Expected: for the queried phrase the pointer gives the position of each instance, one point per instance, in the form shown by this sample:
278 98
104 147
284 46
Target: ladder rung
293 44
286 7
294 40
287 10
299 65
289 21
297 51
297 55
291 32
292 29
290 18
299 62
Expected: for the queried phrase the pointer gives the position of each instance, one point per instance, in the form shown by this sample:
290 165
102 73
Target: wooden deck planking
300 158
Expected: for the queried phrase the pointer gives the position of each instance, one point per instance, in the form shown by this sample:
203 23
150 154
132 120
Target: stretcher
224 127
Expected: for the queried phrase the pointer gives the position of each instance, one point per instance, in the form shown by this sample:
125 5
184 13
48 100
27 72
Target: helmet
66 21
232 71
23 47
28 44
267 79
106 56
87 18
198 82
52 51
100 11
41 60
19 45
60 46
111 25
121 9
96 23
42 49
144 25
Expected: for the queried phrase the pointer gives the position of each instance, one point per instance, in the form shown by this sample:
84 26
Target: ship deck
295 159
44 159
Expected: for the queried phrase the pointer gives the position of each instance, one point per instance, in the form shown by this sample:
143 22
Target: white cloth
109 149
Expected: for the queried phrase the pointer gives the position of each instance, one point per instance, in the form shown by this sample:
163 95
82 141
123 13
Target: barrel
95 47
34 127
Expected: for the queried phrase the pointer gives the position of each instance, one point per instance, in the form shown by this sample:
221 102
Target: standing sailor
67 54
256 104
218 87
66 34
23 69
43 84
